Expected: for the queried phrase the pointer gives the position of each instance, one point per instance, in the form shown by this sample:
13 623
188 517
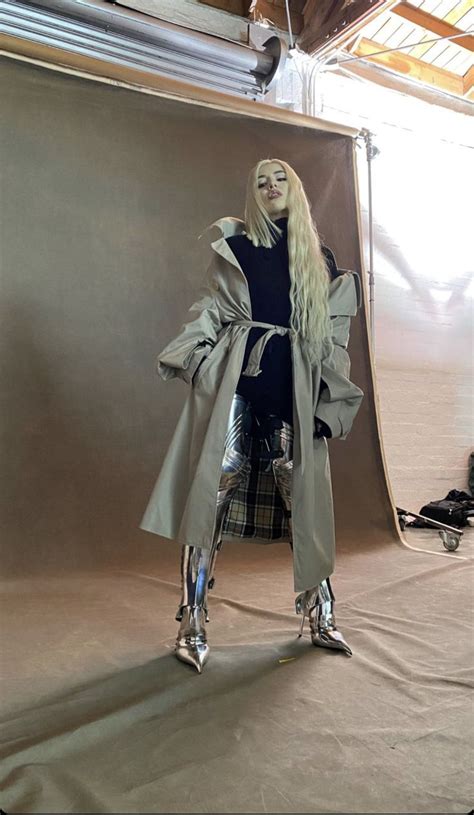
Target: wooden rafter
395 81
411 67
329 23
351 43
457 13
231 6
468 81
196 16
434 24
276 14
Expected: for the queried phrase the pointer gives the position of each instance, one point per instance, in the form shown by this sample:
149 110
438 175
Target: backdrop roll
105 191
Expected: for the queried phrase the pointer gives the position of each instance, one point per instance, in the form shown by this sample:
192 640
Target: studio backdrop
105 191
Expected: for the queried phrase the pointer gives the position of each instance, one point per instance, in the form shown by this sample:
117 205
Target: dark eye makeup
262 183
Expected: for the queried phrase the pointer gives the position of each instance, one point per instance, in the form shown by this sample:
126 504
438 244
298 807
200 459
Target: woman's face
273 189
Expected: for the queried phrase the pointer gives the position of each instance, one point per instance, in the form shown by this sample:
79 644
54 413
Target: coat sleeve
197 335
344 301
339 399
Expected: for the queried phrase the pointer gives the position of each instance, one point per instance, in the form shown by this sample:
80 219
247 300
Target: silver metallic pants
197 563
278 436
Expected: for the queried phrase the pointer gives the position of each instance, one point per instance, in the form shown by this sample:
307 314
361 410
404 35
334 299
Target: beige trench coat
183 502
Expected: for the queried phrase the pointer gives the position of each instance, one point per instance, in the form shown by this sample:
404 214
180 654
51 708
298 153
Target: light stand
371 151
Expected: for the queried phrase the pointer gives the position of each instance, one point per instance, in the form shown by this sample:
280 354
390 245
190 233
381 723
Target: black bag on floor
452 513
459 495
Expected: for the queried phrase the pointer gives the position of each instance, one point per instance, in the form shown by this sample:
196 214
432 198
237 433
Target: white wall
424 293
424 308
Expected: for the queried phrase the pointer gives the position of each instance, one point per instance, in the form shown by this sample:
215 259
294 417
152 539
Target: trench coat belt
253 365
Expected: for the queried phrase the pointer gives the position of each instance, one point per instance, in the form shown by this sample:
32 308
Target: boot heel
303 604
300 609
318 605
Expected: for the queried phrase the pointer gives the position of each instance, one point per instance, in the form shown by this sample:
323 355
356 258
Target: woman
264 353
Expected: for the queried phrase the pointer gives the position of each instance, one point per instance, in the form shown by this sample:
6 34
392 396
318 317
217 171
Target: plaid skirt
256 510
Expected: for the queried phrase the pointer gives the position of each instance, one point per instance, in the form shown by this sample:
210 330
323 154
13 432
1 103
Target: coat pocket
214 366
205 364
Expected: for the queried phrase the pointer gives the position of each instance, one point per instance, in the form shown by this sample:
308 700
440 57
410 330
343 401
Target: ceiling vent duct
117 35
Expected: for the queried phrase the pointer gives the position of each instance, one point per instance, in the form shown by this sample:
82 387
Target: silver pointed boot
198 563
191 643
318 605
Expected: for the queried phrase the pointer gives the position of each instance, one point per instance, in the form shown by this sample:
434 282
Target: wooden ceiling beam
195 16
396 82
231 6
459 10
267 10
468 81
431 23
352 42
411 67
329 23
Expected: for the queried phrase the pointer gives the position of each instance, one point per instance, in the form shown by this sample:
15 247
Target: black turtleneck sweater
268 277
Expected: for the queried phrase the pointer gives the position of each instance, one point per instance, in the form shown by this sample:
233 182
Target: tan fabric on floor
100 717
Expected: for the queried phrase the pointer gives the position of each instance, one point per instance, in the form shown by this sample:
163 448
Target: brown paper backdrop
104 192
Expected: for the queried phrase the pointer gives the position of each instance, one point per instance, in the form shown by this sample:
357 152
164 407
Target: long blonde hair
308 271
